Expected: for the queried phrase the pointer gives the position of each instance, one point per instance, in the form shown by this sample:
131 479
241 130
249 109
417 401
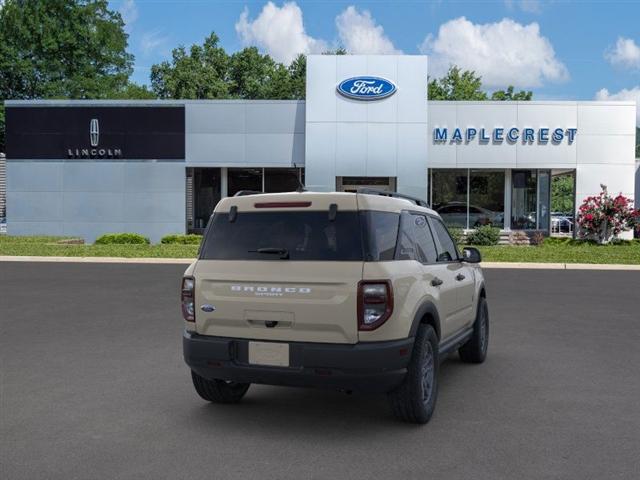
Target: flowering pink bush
604 217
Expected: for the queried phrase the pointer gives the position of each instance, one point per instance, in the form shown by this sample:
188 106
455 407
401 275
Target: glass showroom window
448 195
244 179
468 198
281 179
524 195
486 198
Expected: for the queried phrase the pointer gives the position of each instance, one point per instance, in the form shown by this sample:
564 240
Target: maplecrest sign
510 135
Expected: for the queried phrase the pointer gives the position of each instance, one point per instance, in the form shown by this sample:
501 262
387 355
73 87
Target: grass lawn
552 252
48 247
628 253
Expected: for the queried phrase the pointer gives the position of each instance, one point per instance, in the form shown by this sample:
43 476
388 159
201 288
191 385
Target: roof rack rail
375 191
244 193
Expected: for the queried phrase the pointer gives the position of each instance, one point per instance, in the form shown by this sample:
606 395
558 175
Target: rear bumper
369 367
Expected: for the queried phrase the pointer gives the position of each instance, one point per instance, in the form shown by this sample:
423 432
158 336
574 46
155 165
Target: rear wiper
283 252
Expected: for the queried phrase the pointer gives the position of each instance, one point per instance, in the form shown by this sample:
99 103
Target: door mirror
471 255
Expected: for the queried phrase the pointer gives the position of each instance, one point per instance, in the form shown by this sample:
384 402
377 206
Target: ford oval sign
366 88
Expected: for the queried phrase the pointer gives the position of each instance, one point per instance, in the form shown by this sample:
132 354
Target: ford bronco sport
352 291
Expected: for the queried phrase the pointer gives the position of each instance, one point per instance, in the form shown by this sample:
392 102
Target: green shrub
557 241
190 239
122 239
457 234
485 235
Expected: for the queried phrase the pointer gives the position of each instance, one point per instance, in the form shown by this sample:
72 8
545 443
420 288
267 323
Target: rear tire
219 391
415 399
475 350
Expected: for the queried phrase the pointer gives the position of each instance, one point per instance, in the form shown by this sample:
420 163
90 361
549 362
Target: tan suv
352 291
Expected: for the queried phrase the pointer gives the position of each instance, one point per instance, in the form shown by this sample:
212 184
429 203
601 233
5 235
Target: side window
447 251
415 241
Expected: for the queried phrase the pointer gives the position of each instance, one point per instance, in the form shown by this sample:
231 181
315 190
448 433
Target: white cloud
528 6
632 94
360 34
626 53
151 41
278 31
129 12
504 53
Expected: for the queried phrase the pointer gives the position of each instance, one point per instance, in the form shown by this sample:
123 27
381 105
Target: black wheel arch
426 314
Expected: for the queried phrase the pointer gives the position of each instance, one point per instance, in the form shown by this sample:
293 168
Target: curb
187 261
560 266
8 258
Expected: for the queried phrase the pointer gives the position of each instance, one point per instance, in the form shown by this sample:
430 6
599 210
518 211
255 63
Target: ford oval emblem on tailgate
366 88
207 308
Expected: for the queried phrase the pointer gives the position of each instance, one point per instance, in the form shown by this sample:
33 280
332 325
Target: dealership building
84 168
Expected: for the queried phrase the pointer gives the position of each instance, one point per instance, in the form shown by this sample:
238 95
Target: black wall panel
128 132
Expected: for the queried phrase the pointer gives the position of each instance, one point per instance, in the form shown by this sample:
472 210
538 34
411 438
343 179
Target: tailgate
303 301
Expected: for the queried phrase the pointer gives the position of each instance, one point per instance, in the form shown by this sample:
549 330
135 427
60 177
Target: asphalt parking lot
93 386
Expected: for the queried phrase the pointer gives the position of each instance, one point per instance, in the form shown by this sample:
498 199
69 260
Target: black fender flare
482 289
429 308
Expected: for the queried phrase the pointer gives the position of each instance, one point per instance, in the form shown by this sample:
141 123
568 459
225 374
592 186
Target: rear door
460 278
416 242
281 273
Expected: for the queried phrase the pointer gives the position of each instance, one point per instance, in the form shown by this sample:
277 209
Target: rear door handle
460 277
436 282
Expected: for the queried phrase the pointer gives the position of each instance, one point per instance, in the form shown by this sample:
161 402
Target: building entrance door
352 184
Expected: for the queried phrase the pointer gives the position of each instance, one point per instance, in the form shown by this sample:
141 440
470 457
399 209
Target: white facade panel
606 118
615 177
380 120
320 173
606 149
382 150
225 117
386 110
411 96
547 115
412 149
562 155
321 73
351 149
214 149
346 109
92 176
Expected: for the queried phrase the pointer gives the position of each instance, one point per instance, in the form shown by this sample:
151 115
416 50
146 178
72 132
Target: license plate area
269 353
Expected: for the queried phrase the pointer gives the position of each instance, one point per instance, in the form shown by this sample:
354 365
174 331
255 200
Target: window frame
439 248
435 241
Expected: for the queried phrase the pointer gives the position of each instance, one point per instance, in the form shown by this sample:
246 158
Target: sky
561 50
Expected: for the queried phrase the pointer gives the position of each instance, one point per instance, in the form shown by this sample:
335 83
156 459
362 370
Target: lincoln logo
366 88
94 151
94 132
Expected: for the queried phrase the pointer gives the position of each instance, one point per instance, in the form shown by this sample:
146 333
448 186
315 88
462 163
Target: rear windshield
300 235
296 235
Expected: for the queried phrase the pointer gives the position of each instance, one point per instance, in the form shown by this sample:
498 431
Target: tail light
187 299
375 303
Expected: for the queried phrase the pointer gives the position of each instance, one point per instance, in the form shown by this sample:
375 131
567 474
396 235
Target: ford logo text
366 88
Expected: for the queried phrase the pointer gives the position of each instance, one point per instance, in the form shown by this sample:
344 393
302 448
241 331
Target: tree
562 193
61 49
298 74
208 72
457 85
199 74
510 95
